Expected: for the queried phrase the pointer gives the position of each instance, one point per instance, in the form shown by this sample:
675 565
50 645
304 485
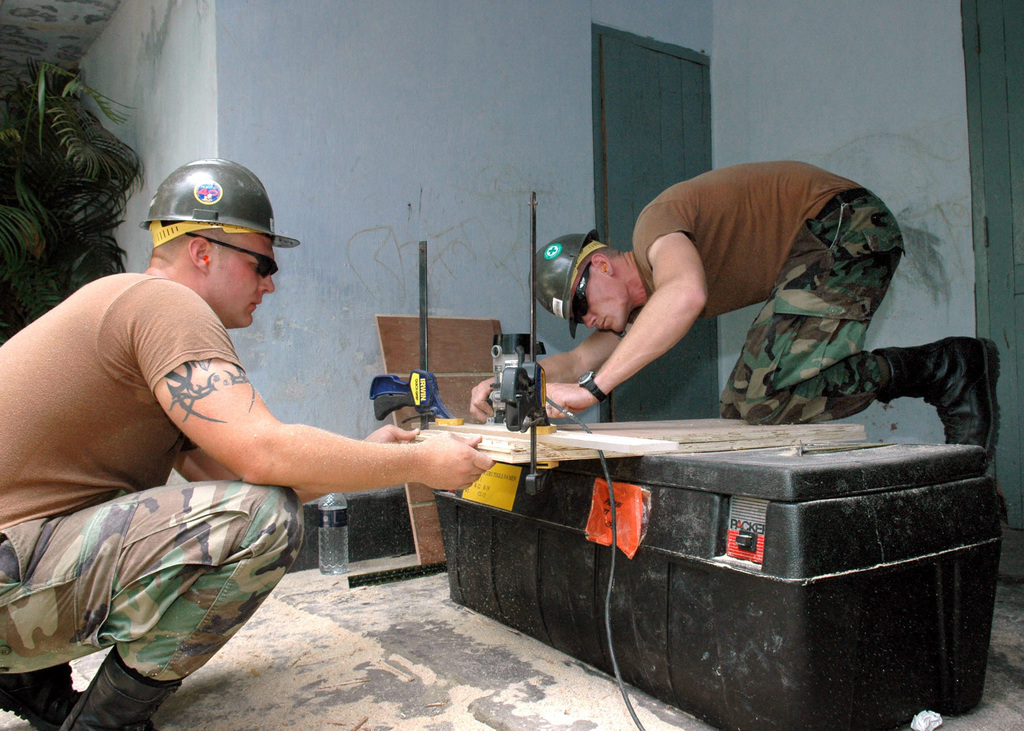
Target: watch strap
588 383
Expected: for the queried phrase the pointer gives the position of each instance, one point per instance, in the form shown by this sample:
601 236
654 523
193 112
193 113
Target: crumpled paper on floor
926 721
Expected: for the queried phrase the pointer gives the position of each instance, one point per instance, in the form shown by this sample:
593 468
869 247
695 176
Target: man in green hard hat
817 249
133 376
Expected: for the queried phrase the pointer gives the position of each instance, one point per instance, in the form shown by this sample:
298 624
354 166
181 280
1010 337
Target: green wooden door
652 128
994 59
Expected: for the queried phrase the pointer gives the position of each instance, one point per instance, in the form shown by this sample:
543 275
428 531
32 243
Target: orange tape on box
632 504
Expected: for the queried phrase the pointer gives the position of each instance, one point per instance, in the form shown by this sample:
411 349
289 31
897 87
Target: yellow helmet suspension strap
162 234
584 253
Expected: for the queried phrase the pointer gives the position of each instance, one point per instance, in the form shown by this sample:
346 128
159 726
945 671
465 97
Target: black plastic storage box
872 600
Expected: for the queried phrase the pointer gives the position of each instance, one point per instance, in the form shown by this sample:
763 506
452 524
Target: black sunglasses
265 266
579 298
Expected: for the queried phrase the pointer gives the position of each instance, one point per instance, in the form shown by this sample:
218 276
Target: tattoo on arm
187 387
237 377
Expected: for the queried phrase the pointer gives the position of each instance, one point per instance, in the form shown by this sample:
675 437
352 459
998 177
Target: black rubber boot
957 376
119 699
43 697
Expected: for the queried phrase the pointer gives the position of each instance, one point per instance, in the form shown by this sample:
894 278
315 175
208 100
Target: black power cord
611 571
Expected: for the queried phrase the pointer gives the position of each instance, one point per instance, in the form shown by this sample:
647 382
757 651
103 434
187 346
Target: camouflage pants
803 360
166 575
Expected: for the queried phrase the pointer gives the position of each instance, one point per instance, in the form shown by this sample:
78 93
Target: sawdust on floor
319 655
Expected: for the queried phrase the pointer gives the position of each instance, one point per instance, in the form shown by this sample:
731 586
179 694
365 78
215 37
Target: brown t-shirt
78 418
742 219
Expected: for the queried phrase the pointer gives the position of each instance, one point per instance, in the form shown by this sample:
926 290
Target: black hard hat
212 193
558 265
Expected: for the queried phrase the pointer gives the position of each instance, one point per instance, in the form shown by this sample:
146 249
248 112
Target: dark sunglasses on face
579 297
265 266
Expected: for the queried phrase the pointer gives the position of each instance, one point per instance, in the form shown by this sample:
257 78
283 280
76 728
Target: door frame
995 122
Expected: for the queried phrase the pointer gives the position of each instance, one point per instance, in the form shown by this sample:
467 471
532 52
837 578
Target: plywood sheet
621 439
727 432
454 344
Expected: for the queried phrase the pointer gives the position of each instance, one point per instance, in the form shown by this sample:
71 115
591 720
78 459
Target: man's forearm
560 368
662 323
589 355
317 462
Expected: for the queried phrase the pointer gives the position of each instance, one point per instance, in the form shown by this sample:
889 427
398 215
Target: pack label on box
496 487
746 529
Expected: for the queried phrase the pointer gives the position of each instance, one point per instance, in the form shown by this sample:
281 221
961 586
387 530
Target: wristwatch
587 381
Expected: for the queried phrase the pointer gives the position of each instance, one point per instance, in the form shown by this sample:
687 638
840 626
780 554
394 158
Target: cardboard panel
454 344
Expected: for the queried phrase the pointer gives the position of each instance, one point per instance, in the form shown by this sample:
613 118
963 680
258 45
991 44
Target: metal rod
533 316
533 276
424 359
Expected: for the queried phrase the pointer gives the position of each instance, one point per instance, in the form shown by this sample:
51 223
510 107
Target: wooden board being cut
726 434
514 447
627 439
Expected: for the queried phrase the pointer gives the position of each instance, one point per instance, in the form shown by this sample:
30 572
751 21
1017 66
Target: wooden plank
517 451
454 344
427 536
616 443
695 431
687 437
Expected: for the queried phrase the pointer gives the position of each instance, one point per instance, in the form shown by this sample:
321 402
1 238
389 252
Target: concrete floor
321 655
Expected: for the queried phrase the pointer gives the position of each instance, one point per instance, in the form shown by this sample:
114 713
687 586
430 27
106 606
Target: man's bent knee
277 525
204 607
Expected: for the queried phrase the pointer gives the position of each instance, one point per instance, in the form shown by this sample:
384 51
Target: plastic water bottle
334 534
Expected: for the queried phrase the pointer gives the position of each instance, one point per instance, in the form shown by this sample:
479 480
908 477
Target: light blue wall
394 122
875 91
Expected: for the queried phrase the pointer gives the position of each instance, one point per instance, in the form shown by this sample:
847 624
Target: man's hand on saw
480 400
570 396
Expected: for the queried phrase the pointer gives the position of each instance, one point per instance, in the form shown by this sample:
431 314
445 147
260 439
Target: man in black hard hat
133 376
817 249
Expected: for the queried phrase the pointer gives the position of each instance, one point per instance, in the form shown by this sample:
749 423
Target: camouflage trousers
166 575
803 359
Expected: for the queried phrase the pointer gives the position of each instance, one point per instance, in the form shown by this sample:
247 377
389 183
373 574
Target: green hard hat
558 266
220 193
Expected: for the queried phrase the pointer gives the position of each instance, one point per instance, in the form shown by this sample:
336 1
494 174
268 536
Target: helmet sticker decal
556 307
552 251
208 193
